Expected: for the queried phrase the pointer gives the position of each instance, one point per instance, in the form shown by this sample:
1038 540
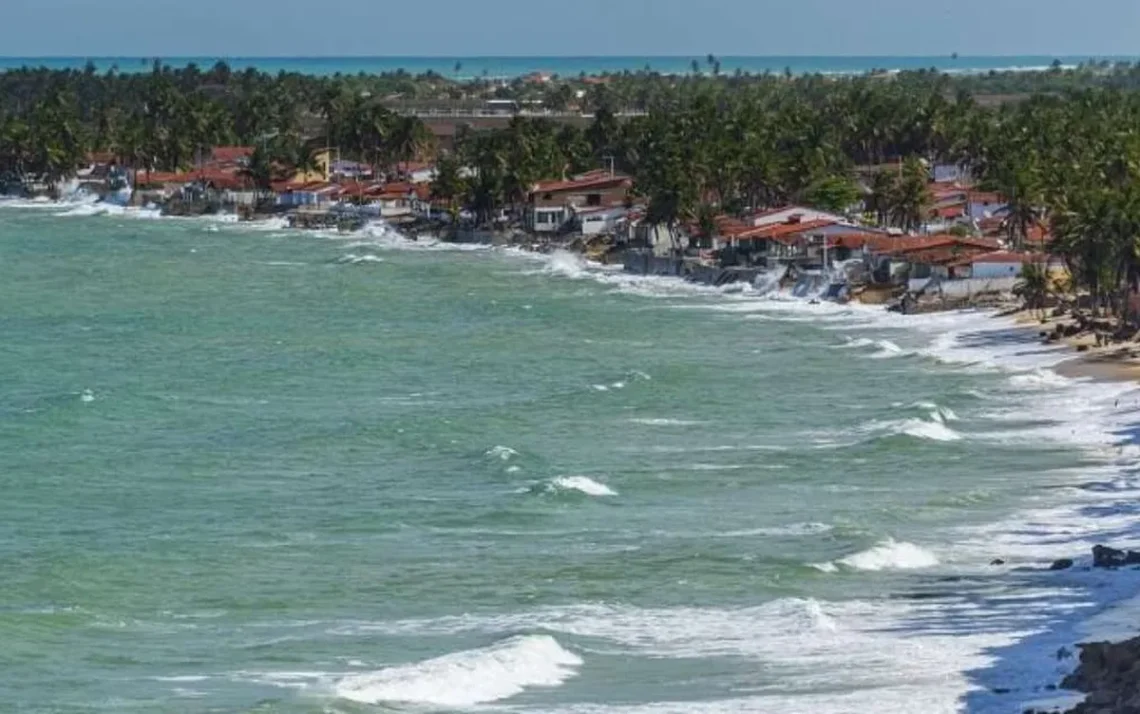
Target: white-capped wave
504 453
888 350
852 343
468 678
355 259
890 555
582 484
87 396
931 430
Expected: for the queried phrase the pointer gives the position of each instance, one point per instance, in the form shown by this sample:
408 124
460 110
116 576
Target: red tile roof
601 179
231 154
783 232
986 197
219 178
1005 256
914 244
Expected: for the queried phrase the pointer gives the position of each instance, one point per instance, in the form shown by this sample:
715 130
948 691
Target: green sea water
252 470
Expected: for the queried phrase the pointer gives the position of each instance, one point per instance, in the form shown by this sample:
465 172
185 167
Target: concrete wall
973 286
995 270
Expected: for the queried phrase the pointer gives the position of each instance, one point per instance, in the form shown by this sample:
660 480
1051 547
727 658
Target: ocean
253 470
509 67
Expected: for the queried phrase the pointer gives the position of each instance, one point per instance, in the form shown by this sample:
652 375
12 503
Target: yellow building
323 161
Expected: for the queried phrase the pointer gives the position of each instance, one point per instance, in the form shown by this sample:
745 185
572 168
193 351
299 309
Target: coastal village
960 256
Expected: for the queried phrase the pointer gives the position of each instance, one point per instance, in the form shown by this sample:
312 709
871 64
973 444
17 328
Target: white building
604 220
788 214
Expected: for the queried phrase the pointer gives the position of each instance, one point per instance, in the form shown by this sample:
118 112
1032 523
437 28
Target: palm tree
910 200
259 170
1034 286
409 139
448 185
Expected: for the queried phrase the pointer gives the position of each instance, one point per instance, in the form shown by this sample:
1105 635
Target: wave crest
467 678
886 555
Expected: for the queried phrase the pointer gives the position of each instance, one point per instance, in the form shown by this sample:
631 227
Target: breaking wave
887 555
581 484
463 679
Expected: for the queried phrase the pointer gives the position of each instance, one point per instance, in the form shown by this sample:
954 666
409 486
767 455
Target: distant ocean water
470 67
251 470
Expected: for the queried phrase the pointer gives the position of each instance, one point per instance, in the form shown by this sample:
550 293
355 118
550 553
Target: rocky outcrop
1105 557
1110 674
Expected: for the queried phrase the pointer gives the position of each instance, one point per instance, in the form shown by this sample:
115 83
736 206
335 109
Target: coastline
510 67
1079 366
1113 362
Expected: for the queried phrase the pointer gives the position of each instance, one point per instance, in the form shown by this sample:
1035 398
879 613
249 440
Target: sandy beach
1115 362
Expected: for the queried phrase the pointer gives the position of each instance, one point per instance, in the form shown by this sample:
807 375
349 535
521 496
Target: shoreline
1113 362
1100 364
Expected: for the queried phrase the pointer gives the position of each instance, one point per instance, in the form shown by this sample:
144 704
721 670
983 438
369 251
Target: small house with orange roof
553 204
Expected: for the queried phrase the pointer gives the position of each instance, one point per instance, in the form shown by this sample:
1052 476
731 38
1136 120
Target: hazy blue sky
567 27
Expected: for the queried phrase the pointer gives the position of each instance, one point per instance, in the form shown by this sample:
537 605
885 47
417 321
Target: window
593 199
542 218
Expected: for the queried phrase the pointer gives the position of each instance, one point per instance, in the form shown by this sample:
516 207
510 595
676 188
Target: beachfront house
312 194
790 214
600 221
552 204
1000 264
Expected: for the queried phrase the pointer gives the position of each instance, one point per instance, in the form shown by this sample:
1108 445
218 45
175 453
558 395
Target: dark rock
1082 348
1105 557
997 561
1061 564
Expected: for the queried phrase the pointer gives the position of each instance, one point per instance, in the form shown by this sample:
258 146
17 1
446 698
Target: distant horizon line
946 55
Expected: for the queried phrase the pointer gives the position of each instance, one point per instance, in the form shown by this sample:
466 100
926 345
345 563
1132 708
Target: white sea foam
890 555
582 484
888 350
465 679
664 422
931 430
87 396
354 259
504 453
795 529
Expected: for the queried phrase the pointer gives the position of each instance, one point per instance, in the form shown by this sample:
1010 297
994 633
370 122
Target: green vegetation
1066 156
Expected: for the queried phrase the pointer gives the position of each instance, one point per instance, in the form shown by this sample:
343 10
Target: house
984 204
313 194
323 161
597 221
343 168
943 173
552 204
397 202
418 171
786 214
230 156
942 256
1001 264
782 242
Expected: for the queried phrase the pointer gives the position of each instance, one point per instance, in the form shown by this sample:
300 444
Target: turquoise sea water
253 470
566 66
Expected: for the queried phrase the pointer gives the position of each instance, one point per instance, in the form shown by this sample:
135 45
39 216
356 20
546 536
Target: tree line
1066 157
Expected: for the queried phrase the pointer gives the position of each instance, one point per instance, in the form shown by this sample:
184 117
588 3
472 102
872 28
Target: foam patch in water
890 555
464 679
582 484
